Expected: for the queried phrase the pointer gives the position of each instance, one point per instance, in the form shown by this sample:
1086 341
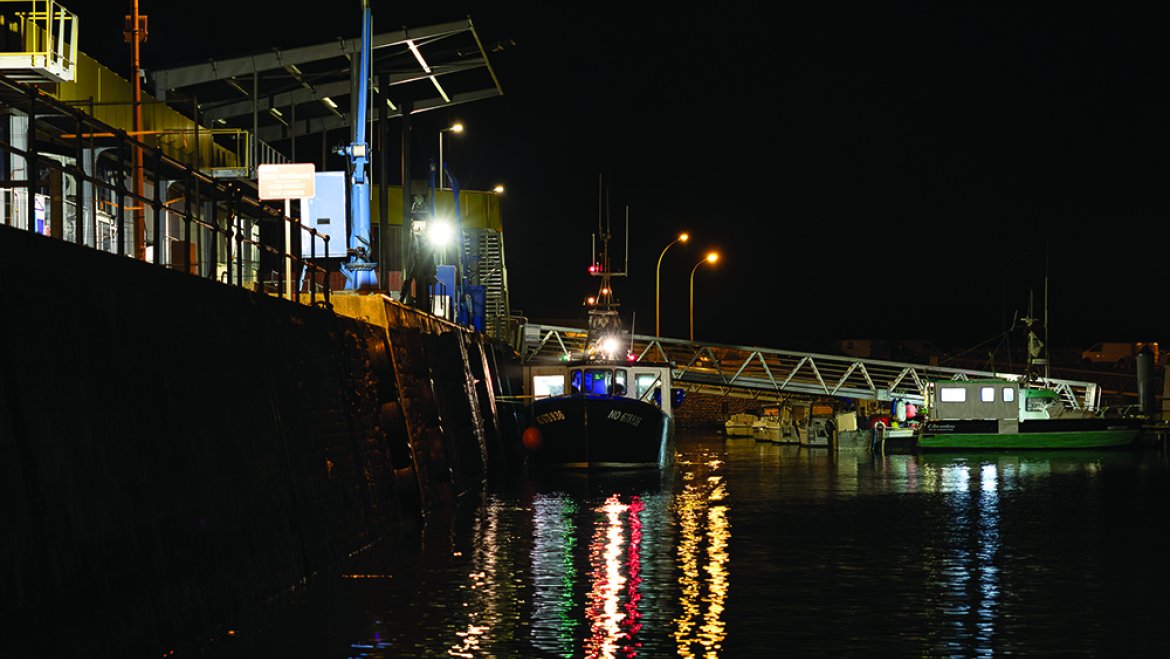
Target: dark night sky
895 169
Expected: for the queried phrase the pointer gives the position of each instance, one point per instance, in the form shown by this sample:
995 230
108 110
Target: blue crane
362 271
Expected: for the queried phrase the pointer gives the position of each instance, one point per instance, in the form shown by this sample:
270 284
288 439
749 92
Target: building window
952 394
987 394
1009 394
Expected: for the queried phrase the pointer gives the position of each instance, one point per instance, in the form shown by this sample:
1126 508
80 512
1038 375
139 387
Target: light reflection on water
834 554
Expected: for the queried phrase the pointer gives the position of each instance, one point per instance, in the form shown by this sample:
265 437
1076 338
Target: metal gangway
768 374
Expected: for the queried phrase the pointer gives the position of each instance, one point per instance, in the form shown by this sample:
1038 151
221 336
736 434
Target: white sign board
291 181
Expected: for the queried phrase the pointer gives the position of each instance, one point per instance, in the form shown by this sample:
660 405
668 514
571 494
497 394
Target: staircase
485 267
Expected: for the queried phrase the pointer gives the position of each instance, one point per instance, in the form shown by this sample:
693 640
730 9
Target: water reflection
483 598
851 554
607 580
704 533
553 574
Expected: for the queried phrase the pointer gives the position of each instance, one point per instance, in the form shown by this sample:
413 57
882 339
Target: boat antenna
626 269
604 322
1046 373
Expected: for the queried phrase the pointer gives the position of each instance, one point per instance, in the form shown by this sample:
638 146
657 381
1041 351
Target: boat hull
1052 434
604 432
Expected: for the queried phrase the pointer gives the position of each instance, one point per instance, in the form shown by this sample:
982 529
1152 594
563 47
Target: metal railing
772 374
180 217
47 34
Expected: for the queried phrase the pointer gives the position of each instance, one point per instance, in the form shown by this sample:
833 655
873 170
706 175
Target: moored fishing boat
614 417
613 412
1001 414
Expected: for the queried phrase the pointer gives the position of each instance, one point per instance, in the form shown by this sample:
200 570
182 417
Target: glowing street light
710 258
453 128
682 238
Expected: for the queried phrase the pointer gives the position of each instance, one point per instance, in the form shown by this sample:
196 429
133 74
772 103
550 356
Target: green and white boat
1001 414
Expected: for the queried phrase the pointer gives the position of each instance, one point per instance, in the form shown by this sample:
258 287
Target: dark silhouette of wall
175 452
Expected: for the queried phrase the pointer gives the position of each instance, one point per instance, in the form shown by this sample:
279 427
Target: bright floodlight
456 128
683 237
440 232
499 189
609 346
712 257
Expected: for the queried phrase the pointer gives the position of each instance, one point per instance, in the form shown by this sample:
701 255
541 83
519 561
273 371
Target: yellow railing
41 38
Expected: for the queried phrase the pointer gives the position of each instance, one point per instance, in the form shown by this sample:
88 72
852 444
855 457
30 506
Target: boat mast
604 339
1035 346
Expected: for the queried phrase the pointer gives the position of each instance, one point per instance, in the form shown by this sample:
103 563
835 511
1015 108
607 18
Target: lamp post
682 238
710 258
453 128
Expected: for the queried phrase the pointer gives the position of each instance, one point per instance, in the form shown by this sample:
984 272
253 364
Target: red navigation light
593 267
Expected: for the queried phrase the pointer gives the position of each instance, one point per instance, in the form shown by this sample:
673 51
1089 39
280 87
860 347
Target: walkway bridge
768 375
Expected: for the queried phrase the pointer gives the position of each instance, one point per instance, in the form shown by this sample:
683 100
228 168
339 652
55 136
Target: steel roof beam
313 126
332 89
185 76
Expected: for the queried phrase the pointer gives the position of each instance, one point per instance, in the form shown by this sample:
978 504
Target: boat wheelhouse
616 415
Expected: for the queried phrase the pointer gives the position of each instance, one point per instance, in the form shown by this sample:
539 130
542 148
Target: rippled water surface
749 549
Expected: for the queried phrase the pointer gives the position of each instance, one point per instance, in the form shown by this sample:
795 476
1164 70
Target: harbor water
747 549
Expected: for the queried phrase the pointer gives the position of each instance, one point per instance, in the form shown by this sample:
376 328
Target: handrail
101 175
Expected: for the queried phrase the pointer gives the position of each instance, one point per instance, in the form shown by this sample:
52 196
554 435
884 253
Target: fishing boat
616 412
1003 413
999 413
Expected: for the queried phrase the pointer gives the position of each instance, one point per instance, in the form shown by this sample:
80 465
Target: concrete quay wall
175 452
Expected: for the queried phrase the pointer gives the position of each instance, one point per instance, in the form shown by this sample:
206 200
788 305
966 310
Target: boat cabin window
644 383
600 381
1039 403
987 394
1009 394
544 386
952 394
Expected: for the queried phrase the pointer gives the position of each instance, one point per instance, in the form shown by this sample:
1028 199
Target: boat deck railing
774 374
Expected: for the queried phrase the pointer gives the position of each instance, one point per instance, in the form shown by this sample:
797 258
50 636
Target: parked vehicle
1117 353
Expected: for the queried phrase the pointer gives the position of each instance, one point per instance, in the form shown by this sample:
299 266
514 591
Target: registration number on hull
550 417
625 417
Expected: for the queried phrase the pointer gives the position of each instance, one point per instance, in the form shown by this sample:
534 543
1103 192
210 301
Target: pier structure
769 374
190 439
178 187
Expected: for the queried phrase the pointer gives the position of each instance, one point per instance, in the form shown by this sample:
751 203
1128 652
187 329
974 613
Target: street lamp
682 238
710 258
453 128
